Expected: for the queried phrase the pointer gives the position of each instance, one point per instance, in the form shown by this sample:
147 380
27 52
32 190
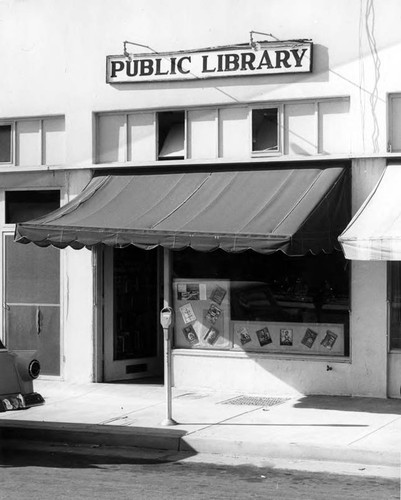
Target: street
94 474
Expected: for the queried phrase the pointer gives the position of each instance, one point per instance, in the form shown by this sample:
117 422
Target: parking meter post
165 320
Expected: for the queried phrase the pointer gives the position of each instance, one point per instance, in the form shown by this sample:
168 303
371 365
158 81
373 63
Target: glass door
132 338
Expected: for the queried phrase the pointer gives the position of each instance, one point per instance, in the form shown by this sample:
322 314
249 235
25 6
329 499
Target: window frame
280 121
157 125
14 122
12 142
390 98
248 145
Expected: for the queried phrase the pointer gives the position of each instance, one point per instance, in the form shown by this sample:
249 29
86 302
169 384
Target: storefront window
271 303
395 305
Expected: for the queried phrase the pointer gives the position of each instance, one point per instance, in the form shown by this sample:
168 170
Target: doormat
254 401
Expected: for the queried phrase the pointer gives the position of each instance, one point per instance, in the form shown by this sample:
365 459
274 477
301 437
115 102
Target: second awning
292 210
375 231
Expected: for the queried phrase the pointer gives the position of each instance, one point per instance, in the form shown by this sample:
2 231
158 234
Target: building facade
212 170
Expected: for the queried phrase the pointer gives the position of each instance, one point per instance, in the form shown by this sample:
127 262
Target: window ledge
178 352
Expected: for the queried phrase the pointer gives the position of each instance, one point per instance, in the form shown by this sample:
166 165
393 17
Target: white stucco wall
77 305
56 50
54 63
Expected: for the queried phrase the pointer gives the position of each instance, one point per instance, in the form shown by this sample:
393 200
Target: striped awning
295 210
374 233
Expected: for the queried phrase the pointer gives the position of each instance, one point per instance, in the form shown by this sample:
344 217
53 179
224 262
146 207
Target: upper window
27 205
265 130
171 135
33 142
394 123
230 132
5 143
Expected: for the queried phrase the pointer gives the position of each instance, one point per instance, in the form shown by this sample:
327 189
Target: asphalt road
90 474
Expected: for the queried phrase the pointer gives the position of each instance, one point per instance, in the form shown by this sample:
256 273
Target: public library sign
264 58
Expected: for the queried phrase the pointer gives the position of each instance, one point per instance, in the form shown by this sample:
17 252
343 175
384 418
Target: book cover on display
286 336
243 336
191 291
218 294
190 334
264 336
329 340
213 313
187 313
309 338
212 335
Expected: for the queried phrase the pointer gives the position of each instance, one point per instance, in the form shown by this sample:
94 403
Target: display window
255 302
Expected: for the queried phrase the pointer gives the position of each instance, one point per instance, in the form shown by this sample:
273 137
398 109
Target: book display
209 314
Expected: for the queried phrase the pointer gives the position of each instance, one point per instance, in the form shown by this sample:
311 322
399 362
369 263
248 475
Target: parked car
18 370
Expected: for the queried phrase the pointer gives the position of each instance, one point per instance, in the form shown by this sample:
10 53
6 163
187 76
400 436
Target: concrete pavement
319 428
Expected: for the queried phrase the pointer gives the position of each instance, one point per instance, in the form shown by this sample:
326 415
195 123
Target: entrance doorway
132 301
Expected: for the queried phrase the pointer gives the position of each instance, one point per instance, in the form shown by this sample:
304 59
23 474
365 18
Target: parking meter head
166 317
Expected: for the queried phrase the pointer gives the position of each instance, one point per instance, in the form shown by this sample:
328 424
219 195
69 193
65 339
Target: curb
292 451
176 440
94 435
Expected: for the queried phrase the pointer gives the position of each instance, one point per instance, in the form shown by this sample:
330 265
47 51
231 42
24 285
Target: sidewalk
337 429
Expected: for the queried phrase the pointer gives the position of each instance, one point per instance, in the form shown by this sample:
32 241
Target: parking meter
166 317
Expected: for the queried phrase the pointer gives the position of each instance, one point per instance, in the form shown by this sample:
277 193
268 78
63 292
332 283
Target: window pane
142 137
54 141
171 135
395 123
111 141
5 143
265 130
300 129
233 133
334 133
202 134
306 298
395 305
27 205
28 143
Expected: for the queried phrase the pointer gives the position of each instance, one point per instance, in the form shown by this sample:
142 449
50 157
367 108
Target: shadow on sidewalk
348 403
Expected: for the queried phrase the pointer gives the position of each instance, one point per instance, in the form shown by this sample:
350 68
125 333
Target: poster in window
264 336
309 338
187 313
190 335
286 336
218 294
191 291
243 336
211 335
213 313
329 340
